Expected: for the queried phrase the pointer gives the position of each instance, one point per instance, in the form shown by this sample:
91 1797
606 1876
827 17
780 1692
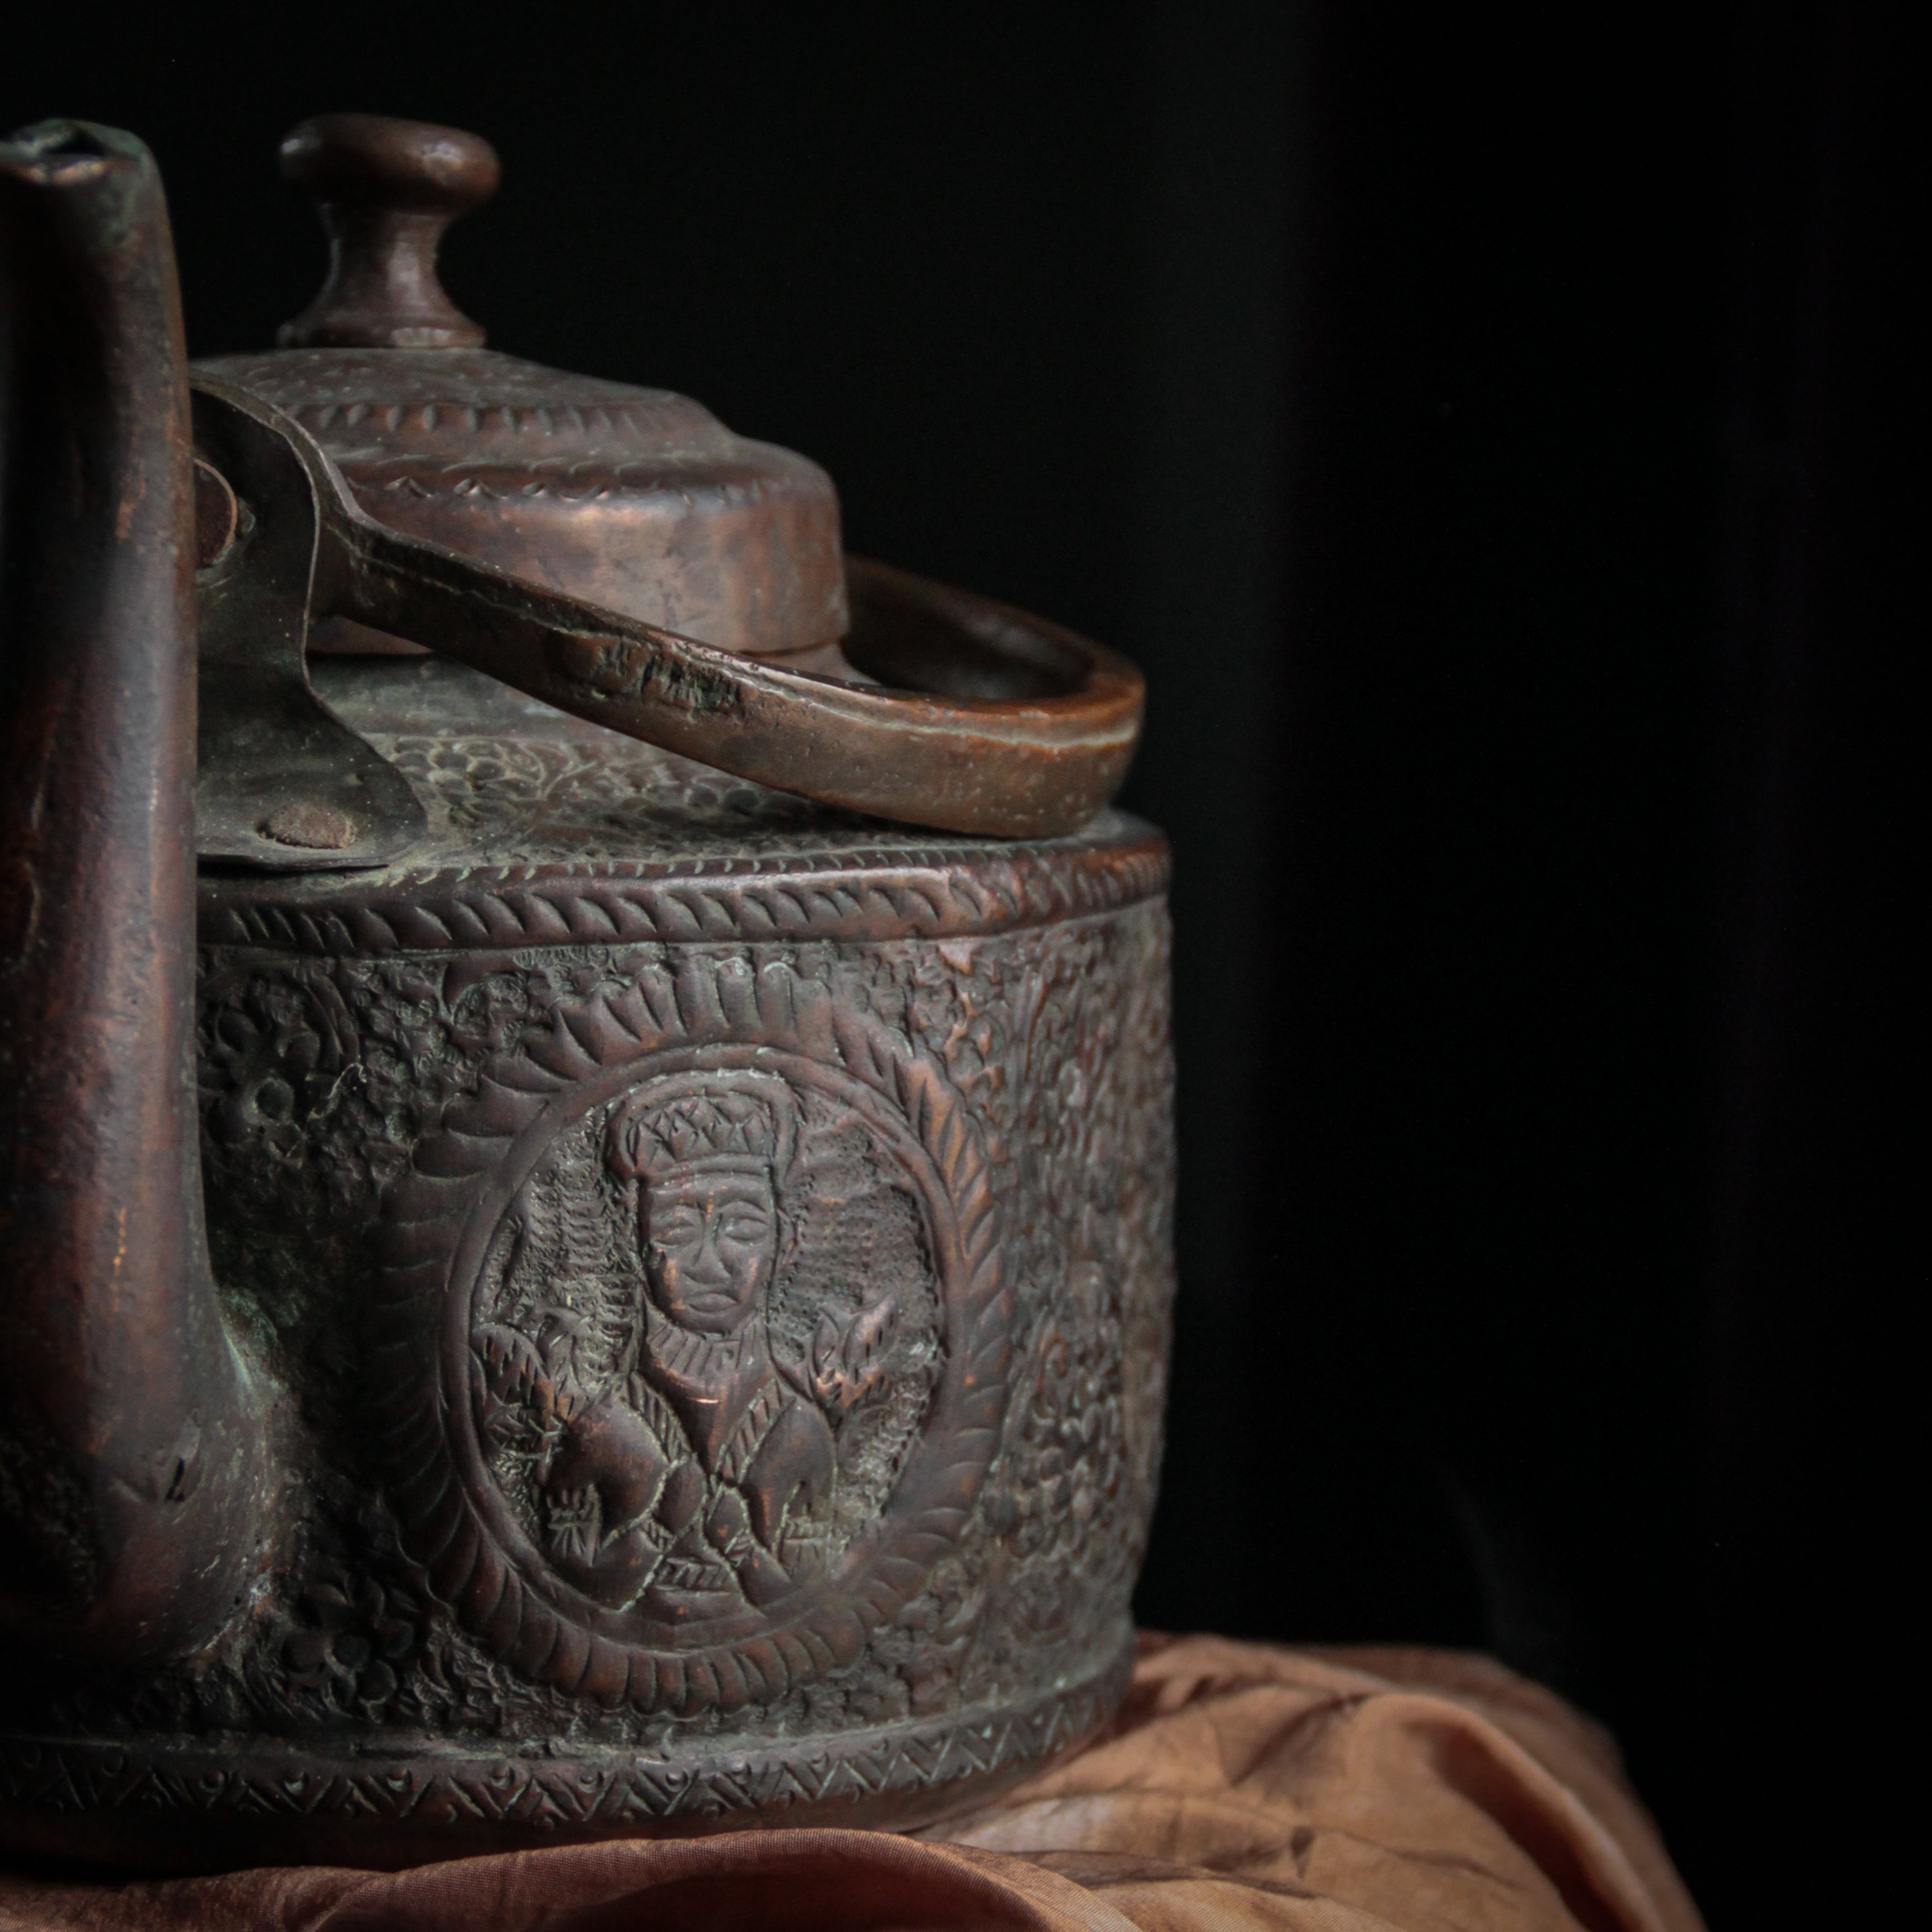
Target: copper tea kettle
182 1465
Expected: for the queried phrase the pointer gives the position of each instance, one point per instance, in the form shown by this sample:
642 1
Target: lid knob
385 190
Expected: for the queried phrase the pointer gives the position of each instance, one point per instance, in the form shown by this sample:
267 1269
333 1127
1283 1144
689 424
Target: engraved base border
175 1807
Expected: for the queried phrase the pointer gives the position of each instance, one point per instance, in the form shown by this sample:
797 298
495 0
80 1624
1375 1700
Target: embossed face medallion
719 1361
704 1341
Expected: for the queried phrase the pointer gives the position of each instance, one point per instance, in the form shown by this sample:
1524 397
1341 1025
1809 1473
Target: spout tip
62 154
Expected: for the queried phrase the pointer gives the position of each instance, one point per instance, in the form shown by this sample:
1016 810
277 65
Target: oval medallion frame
710 1015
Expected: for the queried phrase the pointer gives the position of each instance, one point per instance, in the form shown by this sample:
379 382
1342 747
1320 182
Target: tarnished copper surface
694 1259
1037 738
128 1472
638 500
634 499
447 1106
385 190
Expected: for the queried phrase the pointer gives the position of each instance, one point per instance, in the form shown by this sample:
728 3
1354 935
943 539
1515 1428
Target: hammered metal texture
708 1259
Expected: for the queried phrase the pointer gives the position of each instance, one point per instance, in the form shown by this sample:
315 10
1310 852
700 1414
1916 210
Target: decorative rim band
937 892
603 1793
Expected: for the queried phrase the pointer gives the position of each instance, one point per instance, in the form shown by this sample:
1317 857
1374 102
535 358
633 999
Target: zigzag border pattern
600 1793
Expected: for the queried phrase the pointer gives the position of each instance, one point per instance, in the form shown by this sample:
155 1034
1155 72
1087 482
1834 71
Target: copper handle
1036 765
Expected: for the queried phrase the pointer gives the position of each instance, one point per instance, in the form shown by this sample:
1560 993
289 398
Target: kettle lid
637 500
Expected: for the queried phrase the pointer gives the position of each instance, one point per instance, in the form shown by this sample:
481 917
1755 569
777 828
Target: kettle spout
130 1483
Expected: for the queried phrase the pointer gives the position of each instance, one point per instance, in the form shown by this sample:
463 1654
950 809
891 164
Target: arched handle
1021 730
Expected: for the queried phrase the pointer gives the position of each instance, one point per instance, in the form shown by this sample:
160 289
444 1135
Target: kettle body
692 1264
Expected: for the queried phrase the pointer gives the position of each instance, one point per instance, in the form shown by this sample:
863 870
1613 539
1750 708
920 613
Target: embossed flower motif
475 778
588 978
492 1016
271 1058
355 1632
1042 1605
575 1519
933 1634
952 1005
880 1700
1070 1461
412 1066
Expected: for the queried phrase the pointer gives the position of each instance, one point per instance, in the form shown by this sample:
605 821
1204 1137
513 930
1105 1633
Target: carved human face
708 1243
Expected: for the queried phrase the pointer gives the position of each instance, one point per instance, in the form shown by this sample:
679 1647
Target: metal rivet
319 828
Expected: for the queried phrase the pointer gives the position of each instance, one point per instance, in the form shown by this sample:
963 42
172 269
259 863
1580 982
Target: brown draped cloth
1242 1786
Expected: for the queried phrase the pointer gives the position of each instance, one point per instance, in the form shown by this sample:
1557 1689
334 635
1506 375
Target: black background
1469 419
